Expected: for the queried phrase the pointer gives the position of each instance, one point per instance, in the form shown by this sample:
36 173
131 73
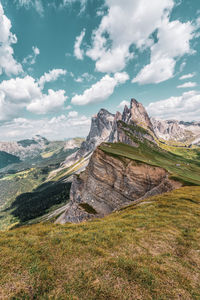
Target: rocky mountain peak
139 115
100 129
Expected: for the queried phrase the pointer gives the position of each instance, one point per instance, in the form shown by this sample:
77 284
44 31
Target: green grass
182 169
146 251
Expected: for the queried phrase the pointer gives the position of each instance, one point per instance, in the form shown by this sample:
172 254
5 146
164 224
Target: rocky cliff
109 183
100 129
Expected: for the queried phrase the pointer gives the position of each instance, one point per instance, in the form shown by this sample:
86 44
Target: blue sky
63 60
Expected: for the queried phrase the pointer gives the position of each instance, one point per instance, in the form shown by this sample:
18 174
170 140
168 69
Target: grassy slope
180 168
147 251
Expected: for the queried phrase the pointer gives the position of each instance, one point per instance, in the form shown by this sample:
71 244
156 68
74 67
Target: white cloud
73 114
187 76
78 52
52 102
126 23
31 59
37 4
56 128
100 90
188 84
66 3
185 107
123 103
19 94
39 7
51 76
8 64
85 77
165 52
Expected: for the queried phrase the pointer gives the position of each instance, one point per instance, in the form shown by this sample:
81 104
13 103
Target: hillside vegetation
182 169
7 159
149 250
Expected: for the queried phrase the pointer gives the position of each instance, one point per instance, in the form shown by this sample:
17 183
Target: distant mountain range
35 150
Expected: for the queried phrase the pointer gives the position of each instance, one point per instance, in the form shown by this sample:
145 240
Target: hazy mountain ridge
188 132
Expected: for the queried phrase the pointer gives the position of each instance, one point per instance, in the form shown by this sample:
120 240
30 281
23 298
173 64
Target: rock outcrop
109 183
134 121
101 127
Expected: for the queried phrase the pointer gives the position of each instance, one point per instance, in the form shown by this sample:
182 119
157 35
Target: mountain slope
149 250
7 159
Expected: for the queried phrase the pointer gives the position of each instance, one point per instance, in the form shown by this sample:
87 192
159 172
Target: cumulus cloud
51 102
51 76
123 103
187 76
165 51
100 90
73 114
8 64
60 127
31 58
78 52
188 84
19 94
185 107
136 20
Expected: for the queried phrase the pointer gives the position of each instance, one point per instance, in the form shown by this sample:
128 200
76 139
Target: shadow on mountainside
28 206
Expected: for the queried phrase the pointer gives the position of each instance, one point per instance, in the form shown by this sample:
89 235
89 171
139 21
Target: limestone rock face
139 115
101 127
109 183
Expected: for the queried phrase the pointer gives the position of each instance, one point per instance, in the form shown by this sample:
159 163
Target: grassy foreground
147 251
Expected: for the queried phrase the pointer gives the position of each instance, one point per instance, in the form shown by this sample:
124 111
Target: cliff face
101 126
110 183
137 114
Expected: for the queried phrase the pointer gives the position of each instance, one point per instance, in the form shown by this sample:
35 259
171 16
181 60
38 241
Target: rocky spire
139 115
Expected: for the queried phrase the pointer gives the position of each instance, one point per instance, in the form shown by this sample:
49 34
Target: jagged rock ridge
107 127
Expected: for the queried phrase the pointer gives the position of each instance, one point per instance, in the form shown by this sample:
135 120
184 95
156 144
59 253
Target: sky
63 60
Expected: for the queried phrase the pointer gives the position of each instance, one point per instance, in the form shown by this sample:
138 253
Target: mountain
129 167
186 132
25 149
7 159
101 126
105 127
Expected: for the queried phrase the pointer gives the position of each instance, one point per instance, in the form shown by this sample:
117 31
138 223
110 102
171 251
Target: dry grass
146 251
